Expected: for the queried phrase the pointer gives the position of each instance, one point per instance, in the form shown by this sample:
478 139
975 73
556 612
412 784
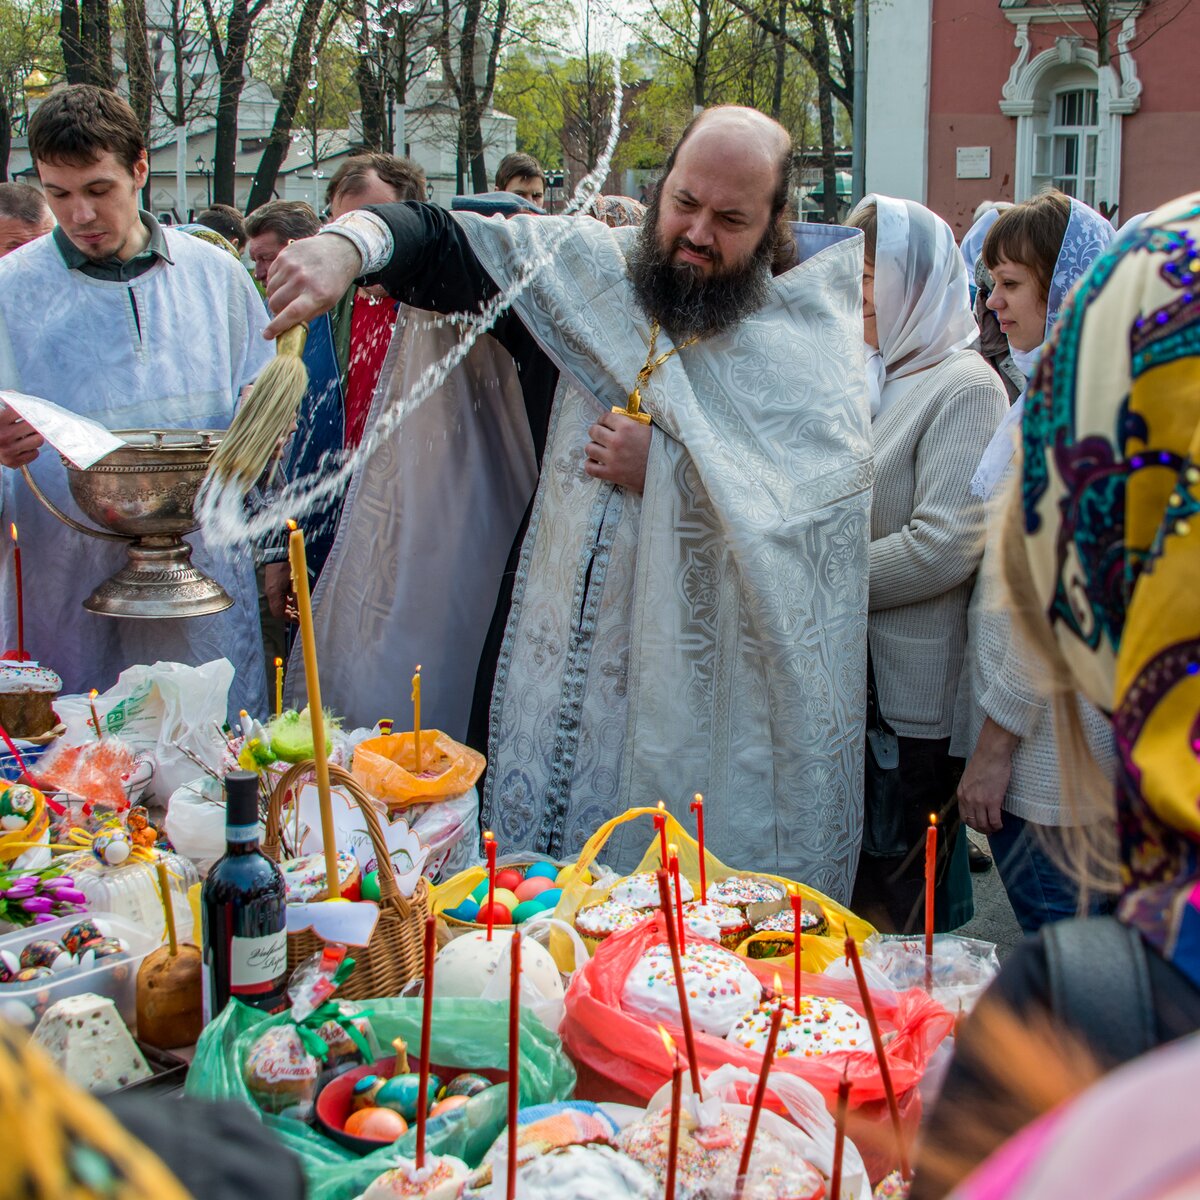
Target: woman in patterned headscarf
1102 560
1036 253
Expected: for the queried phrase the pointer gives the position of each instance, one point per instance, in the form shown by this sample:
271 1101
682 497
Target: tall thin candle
676 1106
95 715
885 1072
685 1015
316 714
697 806
931 839
426 1028
839 1136
20 595
660 823
164 891
760 1092
514 1062
673 870
416 702
489 846
278 686
797 950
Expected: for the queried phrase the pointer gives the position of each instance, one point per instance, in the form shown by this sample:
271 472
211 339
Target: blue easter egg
468 910
549 898
401 1091
542 870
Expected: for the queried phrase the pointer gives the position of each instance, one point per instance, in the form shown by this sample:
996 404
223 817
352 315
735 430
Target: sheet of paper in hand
77 438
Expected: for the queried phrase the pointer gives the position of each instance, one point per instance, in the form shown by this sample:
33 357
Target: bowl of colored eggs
521 893
371 1105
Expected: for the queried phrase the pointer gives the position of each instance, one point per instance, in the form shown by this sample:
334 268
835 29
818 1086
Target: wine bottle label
256 964
242 833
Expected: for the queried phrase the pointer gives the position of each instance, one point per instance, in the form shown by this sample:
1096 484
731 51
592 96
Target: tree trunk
371 97
828 129
72 46
229 96
5 135
479 177
263 187
700 75
780 61
137 60
96 36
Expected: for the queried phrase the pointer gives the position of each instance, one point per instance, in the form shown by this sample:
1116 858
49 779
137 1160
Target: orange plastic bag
386 767
626 1049
817 951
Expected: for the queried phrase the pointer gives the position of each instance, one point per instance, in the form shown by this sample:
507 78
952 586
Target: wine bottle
244 909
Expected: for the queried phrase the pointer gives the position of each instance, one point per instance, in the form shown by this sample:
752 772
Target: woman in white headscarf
936 405
1011 789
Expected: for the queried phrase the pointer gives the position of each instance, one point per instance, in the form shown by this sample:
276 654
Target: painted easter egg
400 1094
501 914
112 847
529 888
83 932
541 870
46 954
468 910
16 806
508 878
376 1124
549 898
370 886
448 1105
466 1085
525 910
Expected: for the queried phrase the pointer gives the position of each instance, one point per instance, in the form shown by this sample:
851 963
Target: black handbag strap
1100 984
875 718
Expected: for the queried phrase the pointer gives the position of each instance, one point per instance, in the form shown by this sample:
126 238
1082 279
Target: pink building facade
972 100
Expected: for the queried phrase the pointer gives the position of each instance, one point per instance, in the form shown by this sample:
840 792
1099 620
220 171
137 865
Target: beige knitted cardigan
927 534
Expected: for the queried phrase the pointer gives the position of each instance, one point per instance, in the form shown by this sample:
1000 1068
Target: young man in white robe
689 608
136 327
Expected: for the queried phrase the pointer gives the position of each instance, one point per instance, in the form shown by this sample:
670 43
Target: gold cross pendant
633 408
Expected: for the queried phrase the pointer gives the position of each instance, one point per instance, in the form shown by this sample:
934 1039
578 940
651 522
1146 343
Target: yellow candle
278 686
308 641
416 699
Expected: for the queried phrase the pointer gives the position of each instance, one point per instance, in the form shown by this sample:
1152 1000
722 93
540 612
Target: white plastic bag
813 1134
548 1010
195 822
164 710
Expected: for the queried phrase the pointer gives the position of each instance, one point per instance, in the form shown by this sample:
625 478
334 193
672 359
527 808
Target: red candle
660 823
514 1061
797 905
20 596
876 1037
839 1137
930 886
760 1092
697 806
673 868
676 1104
426 1027
685 1015
489 846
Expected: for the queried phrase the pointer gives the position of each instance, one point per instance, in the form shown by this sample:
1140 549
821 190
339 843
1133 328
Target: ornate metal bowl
144 494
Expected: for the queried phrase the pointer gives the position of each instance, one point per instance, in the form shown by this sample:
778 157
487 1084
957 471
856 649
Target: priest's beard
687 303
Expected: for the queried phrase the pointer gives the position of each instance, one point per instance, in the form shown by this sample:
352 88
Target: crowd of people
707 473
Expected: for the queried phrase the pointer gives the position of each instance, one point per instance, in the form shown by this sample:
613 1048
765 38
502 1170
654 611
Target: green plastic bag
473 1033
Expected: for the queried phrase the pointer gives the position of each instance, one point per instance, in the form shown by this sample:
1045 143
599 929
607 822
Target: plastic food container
24 1003
131 890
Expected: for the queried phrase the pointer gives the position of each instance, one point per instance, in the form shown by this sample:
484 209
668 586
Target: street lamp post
205 169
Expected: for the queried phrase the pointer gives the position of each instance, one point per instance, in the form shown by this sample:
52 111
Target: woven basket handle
289 784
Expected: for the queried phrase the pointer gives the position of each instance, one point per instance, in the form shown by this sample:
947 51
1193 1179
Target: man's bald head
739 135
24 215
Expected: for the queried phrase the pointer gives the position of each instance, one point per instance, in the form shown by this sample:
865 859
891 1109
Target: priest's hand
308 278
19 441
984 783
618 451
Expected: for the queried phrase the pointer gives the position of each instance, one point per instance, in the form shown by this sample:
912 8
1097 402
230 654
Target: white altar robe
75 340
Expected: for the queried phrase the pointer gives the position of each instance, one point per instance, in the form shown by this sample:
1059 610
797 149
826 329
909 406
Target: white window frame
1034 83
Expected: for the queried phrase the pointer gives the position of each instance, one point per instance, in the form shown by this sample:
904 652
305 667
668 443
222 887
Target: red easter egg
353 891
450 1102
532 888
509 878
376 1124
500 915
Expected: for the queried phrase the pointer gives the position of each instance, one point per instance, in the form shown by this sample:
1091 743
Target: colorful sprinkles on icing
740 891
825 1025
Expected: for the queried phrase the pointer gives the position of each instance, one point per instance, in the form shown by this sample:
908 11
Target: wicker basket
396 952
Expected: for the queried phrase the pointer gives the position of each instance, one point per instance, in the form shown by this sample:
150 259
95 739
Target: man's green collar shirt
112 269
